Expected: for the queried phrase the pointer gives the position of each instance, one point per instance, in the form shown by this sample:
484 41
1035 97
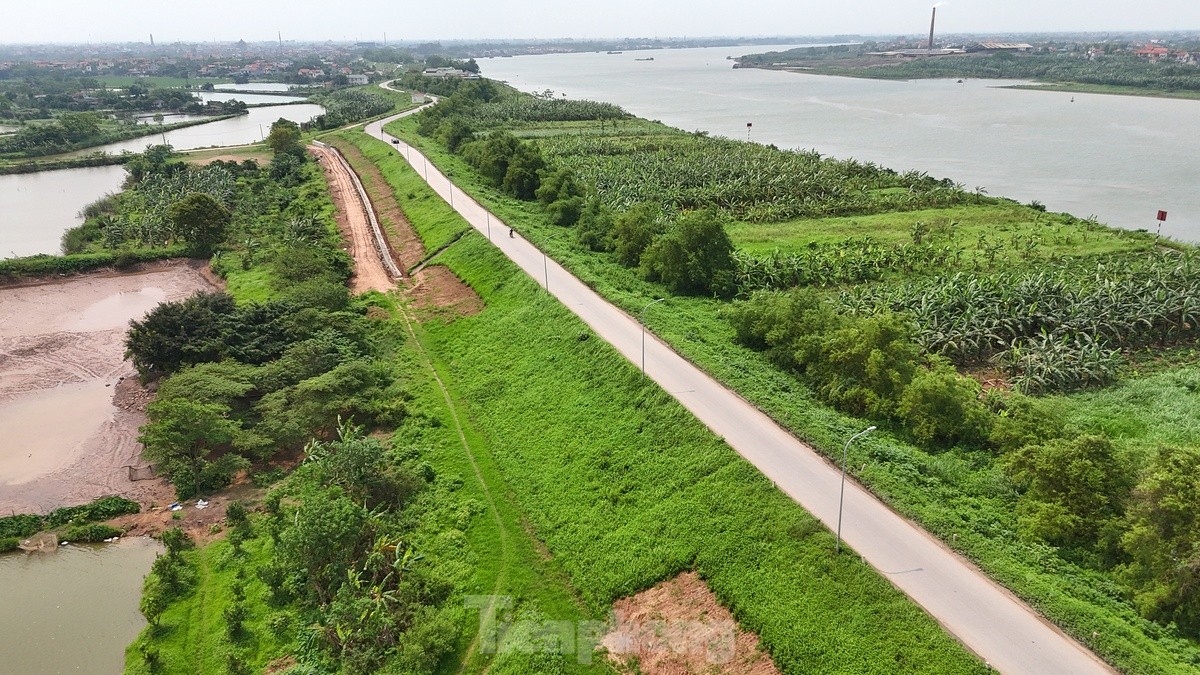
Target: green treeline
1116 70
345 106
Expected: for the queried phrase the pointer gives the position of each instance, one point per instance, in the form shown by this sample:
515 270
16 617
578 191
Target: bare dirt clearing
437 292
677 628
355 225
406 247
70 405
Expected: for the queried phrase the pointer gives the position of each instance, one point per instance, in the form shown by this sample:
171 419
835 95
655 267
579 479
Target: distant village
328 64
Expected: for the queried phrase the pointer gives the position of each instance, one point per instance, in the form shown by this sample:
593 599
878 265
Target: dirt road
370 274
986 617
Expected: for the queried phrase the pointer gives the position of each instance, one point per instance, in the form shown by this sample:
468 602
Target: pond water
73 610
36 208
257 86
251 99
238 130
1121 158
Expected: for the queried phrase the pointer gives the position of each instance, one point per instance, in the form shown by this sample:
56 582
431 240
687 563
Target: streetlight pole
642 320
842 493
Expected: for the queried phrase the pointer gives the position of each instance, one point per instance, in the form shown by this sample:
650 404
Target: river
1120 158
73 610
35 209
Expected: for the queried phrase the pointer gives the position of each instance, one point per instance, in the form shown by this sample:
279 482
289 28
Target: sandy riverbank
70 405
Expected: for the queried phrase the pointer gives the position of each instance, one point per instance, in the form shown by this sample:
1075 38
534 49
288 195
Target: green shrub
93 532
1163 540
693 257
941 408
1074 491
8 544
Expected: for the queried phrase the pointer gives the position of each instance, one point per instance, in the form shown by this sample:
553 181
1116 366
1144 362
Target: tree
864 366
284 138
201 221
594 228
153 160
1163 540
1074 491
634 229
941 408
178 333
179 438
694 256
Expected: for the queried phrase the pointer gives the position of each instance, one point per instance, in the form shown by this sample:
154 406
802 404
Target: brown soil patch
63 377
260 157
990 379
407 248
437 292
354 223
202 524
678 628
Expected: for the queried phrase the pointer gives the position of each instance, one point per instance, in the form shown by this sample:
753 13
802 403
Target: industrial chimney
932 19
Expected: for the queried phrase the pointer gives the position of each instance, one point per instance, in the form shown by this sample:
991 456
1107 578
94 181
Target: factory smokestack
932 20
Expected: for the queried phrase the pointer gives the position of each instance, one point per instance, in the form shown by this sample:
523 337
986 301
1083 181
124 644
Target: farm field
964 484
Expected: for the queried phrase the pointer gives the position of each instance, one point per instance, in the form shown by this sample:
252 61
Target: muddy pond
73 610
68 400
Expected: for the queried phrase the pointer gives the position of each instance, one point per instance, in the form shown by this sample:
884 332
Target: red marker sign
1162 216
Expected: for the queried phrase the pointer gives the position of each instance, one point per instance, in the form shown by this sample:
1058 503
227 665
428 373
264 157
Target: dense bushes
247 381
863 365
345 106
17 526
693 257
1163 540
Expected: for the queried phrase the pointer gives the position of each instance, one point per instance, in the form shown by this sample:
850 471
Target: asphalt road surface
984 616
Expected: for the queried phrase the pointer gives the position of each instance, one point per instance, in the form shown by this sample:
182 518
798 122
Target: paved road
987 618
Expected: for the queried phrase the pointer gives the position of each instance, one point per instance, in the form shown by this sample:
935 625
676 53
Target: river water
1120 158
35 209
73 610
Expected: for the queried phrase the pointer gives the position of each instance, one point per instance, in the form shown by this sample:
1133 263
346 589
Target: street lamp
842 494
642 314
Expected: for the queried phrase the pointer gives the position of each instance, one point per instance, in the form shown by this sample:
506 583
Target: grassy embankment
629 489
962 496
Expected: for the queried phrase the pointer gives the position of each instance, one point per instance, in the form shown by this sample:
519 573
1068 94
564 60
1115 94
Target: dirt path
407 248
369 271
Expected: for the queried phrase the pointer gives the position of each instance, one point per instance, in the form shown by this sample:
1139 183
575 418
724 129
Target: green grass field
1009 225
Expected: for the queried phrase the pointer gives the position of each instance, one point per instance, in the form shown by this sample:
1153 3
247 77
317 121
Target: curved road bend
986 617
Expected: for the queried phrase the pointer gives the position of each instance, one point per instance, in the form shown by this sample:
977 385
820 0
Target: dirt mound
438 292
678 627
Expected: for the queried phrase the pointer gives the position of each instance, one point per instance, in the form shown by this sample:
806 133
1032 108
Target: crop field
1006 227
965 494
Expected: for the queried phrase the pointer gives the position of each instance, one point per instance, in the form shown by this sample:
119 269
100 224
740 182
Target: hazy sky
23 21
